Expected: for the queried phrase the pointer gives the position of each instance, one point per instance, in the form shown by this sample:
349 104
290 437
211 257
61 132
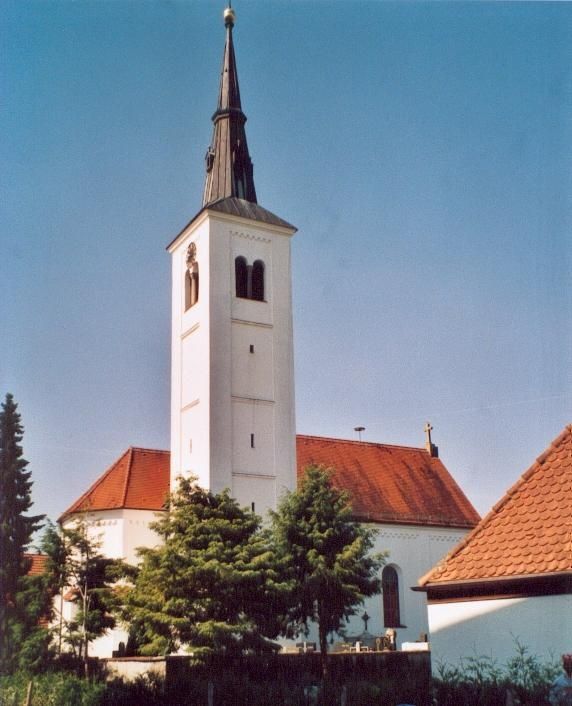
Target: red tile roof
139 480
527 533
37 565
394 484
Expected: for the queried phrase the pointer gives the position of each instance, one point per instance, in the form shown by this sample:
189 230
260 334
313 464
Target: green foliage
327 556
51 689
16 529
212 586
275 681
480 681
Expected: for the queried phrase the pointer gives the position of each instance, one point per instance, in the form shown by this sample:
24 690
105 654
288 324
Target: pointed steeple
228 164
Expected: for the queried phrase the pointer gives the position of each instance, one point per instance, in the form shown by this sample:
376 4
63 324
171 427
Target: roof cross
428 429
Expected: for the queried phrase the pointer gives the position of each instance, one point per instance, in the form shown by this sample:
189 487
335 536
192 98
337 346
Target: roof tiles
393 484
527 533
139 480
38 564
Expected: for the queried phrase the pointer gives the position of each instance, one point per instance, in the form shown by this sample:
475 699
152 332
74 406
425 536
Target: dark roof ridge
146 449
361 443
127 475
510 493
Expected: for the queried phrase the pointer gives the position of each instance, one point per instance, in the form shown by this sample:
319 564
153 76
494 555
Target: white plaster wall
190 371
253 417
119 533
252 373
413 550
222 393
137 533
489 627
249 489
130 669
104 527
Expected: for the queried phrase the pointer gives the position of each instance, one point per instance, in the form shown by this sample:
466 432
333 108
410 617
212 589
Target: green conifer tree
16 529
331 567
212 586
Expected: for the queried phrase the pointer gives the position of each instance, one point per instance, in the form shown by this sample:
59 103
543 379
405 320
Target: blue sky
423 151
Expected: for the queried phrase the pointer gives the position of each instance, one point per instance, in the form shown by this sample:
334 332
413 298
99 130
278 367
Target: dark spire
229 169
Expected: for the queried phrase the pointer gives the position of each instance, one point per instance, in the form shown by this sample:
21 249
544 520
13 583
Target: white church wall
413 550
460 629
253 431
239 391
252 373
137 533
255 491
190 388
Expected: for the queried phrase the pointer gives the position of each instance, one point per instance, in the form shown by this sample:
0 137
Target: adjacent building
511 578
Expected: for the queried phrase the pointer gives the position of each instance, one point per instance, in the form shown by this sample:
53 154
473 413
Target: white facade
412 551
119 533
232 385
543 624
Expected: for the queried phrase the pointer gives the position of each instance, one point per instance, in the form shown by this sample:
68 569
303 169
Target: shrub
480 681
56 689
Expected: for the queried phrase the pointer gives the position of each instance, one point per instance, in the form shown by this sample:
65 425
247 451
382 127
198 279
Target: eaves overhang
518 586
238 210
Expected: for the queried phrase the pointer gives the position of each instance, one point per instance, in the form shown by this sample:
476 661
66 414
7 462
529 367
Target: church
232 399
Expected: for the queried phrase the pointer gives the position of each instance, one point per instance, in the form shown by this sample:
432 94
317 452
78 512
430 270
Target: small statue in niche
191 277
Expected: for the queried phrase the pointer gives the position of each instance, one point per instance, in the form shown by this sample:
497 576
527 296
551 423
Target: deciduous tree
77 566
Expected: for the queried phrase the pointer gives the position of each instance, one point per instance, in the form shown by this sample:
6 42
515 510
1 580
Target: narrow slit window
390 591
241 277
258 280
251 348
252 441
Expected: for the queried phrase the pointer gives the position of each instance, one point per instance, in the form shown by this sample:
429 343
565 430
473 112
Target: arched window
241 277
258 280
390 592
192 285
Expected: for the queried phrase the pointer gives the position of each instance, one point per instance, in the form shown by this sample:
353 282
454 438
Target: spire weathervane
228 164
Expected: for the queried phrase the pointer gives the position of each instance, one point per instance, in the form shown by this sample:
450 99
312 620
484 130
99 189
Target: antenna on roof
359 431
432 450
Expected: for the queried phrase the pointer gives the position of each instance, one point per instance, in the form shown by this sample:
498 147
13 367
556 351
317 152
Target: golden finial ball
229 16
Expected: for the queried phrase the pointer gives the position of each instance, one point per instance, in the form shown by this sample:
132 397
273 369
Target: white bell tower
232 381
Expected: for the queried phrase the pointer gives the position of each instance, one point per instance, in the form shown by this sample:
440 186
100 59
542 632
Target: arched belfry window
191 277
258 280
249 279
390 595
241 277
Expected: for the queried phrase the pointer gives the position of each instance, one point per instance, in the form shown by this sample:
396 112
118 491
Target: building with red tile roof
513 572
138 480
38 563
390 484
406 493
386 483
232 397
